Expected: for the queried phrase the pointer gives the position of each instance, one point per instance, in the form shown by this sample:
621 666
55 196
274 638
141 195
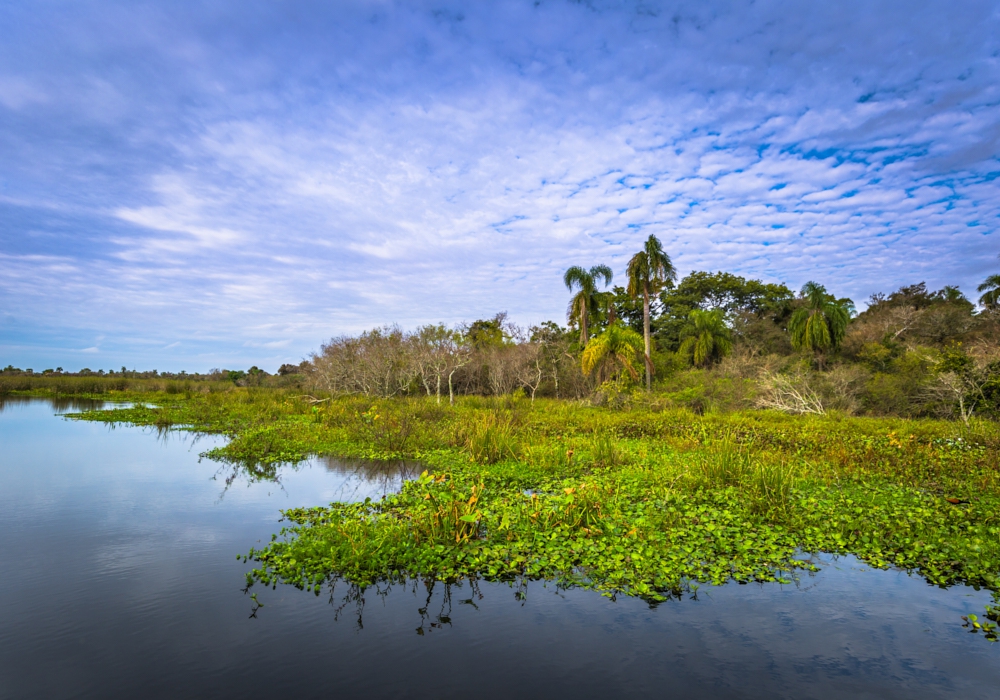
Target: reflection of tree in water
60 404
385 476
433 614
252 472
359 475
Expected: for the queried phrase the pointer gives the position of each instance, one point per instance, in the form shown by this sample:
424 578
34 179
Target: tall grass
489 437
728 463
766 480
604 450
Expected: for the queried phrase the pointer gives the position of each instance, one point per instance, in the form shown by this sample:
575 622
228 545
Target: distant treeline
713 341
99 382
124 373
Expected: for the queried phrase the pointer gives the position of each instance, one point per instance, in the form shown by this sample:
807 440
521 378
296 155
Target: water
119 579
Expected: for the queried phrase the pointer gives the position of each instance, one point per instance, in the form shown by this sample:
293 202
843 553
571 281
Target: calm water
119 579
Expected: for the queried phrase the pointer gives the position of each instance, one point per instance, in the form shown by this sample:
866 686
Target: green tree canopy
483 334
615 352
918 297
706 338
991 286
820 324
732 294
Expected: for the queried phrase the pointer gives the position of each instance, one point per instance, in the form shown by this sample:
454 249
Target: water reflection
357 478
378 475
60 404
435 607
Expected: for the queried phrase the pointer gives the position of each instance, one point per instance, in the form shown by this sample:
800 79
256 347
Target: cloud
380 163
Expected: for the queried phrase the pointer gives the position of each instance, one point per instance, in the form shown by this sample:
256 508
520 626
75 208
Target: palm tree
648 272
615 351
706 337
585 301
820 325
991 285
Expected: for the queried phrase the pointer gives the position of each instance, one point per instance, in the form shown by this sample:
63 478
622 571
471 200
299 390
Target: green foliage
613 354
386 426
706 339
604 450
489 437
736 297
991 292
819 326
649 270
484 334
102 386
727 463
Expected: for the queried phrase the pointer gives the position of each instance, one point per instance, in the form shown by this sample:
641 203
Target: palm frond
601 271
577 276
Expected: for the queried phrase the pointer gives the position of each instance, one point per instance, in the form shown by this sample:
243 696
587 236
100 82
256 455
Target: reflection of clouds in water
370 478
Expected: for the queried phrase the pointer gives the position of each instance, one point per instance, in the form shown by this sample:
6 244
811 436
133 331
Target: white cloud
437 172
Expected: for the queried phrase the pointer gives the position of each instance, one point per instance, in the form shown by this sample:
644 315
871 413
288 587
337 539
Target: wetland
251 542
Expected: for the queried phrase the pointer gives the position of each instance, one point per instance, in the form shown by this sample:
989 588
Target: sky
189 185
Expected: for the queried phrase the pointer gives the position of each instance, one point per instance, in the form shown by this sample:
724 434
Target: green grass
644 501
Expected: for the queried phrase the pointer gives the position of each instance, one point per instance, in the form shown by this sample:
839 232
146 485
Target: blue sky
191 185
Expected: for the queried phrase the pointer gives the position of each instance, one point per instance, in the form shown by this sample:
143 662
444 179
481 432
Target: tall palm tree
649 270
820 325
585 301
706 337
615 351
991 299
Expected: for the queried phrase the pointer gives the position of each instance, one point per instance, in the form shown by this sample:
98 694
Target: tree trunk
645 336
583 323
439 389
451 392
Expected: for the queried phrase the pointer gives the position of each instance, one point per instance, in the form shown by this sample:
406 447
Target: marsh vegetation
645 500
717 429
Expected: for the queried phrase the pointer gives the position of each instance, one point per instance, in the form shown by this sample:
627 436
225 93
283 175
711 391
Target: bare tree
791 394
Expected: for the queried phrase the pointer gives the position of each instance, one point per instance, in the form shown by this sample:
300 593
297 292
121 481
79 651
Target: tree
965 383
491 333
706 337
991 287
437 352
649 271
554 343
585 302
820 324
615 351
751 307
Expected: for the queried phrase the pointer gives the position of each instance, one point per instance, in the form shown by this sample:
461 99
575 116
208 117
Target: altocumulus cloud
198 184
